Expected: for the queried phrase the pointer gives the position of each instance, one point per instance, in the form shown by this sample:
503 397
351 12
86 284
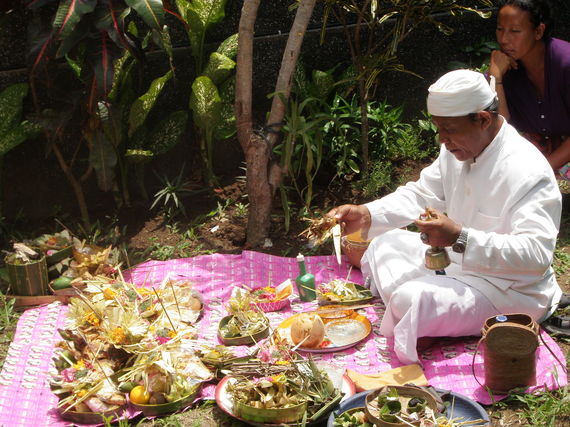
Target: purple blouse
549 116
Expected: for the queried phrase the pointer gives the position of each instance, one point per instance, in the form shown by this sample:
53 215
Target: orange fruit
139 395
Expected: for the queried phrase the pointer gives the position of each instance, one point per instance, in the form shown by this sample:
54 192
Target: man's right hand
352 218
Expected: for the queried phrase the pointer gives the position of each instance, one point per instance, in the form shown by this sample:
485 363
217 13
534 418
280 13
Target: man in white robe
502 212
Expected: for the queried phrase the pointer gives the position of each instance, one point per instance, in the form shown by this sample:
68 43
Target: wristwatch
461 242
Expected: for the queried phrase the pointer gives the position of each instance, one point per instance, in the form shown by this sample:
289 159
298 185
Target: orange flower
109 294
118 335
91 318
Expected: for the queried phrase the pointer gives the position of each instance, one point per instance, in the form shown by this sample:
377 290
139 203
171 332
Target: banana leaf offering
245 324
340 291
301 392
165 380
122 340
401 406
355 417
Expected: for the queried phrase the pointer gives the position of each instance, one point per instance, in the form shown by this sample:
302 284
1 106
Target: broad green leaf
227 126
101 53
79 33
229 46
74 65
219 68
16 135
122 67
111 121
166 42
70 13
103 158
151 11
352 165
139 139
200 15
323 84
167 133
138 156
142 106
11 105
205 102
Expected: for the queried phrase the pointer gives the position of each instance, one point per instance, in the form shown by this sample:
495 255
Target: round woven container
510 353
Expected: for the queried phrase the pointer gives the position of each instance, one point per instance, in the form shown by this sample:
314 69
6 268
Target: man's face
463 137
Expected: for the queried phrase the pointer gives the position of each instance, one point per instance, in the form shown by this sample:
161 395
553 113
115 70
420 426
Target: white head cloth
459 93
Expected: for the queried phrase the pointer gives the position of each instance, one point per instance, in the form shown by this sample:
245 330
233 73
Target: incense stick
164 309
175 299
348 275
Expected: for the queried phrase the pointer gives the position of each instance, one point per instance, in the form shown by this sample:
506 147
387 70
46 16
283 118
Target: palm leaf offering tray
126 344
340 291
279 387
245 324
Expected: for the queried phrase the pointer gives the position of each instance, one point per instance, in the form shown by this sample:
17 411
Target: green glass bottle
305 281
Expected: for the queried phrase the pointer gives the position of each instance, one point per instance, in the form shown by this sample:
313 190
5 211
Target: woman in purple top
532 74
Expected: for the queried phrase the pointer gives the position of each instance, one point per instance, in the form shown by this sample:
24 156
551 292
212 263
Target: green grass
549 409
8 320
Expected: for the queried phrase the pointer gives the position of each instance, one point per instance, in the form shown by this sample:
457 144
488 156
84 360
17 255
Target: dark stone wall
34 184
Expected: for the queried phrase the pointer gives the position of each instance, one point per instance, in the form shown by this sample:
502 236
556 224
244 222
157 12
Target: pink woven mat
26 400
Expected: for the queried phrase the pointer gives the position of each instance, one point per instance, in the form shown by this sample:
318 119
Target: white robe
509 201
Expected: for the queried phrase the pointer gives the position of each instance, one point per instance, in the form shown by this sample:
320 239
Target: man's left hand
441 231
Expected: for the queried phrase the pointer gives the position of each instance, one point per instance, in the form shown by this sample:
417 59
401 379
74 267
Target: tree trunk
263 178
288 64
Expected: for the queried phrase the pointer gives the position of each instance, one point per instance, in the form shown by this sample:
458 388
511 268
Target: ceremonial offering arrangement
126 343
339 291
309 333
244 324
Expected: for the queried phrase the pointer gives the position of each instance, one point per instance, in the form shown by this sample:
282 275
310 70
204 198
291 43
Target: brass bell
436 258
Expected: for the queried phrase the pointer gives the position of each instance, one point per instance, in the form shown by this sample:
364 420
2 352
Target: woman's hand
352 218
500 64
440 229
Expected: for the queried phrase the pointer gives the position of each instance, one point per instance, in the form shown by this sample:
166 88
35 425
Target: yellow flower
91 318
144 291
171 333
79 365
109 294
282 362
118 335
280 378
81 392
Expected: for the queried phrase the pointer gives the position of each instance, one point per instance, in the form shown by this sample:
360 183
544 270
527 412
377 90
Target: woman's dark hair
539 11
